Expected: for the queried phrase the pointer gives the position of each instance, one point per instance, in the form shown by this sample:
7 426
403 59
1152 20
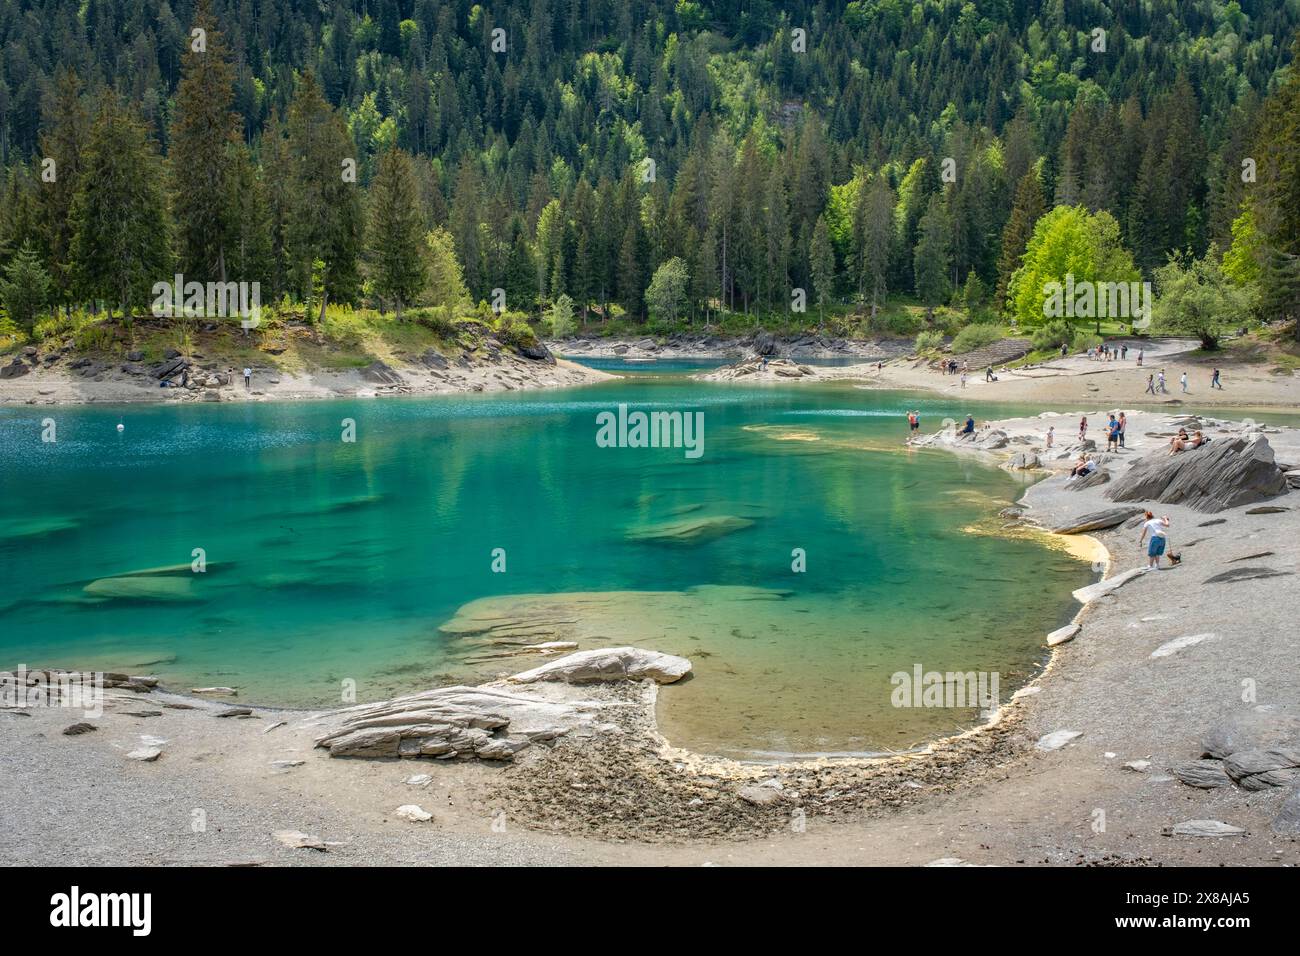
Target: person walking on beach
1183 382
988 374
1160 382
1151 382
1214 381
1140 353
963 379
1123 352
1051 435
1083 428
248 377
1158 529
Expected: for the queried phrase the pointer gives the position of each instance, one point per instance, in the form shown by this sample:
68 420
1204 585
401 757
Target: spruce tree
120 244
396 231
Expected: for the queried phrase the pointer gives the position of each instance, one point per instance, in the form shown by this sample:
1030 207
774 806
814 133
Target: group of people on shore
1156 382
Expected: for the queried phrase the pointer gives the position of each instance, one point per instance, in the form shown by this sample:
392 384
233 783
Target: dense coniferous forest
674 159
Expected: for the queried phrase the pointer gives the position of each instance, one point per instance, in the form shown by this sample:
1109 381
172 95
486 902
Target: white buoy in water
121 427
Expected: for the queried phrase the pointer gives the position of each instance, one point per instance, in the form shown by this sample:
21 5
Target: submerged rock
692 530
1226 473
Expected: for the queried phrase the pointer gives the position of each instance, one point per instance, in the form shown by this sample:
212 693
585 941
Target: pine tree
324 219
120 227
396 233
821 264
933 255
204 135
1025 212
62 141
1277 208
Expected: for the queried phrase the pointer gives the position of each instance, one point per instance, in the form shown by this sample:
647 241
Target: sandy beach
1074 380
1082 767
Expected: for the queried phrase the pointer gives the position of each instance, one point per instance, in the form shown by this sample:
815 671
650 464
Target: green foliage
930 341
1070 247
25 288
513 330
666 294
560 317
976 337
769 170
1196 298
396 241
120 241
1052 335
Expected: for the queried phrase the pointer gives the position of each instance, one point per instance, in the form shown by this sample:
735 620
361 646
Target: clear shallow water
330 560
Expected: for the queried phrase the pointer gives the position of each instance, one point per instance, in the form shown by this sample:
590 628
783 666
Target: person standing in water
913 423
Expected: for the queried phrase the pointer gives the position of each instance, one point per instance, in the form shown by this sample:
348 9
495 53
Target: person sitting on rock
1178 442
1197 441
1084 466
969 428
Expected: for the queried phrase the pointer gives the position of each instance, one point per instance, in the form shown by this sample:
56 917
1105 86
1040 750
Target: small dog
1174 558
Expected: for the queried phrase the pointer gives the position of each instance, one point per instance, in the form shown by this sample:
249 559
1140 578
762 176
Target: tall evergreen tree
396 233
204 137
120 243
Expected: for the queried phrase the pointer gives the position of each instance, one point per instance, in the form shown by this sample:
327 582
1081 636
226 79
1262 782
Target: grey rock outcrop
1262 769
1287 821
1252 730
614 663
1203 774
1226 473
482 722
381 374
1098 476
1097 521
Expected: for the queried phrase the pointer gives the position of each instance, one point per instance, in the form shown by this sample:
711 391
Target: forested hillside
668 157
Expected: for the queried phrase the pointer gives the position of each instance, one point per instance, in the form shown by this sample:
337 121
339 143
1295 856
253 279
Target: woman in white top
1158 528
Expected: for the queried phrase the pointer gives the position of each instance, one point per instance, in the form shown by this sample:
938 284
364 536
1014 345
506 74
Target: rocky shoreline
706 346
60 377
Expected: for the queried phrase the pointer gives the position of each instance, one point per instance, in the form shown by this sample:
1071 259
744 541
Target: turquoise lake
330 561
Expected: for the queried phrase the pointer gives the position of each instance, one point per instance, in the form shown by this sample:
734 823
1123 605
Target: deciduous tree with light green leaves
1196 298
1075 268
559 318
667 291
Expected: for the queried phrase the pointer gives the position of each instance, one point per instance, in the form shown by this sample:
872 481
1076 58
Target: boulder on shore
612 663
1226 473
